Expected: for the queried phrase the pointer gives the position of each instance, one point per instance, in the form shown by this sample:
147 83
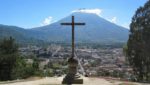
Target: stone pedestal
71 77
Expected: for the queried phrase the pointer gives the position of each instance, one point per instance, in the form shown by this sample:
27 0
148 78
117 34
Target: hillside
22 36
96 30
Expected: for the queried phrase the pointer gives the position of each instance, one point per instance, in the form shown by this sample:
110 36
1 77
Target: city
108 62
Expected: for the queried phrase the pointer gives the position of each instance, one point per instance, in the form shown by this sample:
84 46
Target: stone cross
71 77
73 23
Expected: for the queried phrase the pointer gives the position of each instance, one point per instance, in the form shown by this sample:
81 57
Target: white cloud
47 21
113 20
94 11
126 25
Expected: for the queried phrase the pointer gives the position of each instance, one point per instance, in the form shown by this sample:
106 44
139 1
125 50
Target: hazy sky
34 13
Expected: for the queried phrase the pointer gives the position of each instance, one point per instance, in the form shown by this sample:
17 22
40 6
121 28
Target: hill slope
96 29
21 35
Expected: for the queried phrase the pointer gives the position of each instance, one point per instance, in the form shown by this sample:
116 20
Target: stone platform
76 80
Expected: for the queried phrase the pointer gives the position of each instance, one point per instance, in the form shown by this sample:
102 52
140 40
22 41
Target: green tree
35 64
19 70
138 45
13 65
8 56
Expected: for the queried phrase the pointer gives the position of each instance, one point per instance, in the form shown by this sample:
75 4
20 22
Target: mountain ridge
96 30
94 26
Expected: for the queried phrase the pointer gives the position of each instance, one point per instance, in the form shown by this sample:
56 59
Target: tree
19 70
13 65
35 64
138 45
8 56
24 70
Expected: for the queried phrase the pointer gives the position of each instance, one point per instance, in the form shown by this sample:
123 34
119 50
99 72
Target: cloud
126 25
94 11
47 21
113 20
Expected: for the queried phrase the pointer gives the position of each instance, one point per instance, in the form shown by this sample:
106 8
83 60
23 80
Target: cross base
72 79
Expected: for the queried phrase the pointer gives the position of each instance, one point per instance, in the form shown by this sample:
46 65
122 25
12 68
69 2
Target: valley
94 62
89 42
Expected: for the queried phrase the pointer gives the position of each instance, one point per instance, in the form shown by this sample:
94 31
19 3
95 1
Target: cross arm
72 23
66 23
79 23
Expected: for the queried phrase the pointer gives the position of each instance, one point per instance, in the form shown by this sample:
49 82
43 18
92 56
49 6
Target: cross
73 25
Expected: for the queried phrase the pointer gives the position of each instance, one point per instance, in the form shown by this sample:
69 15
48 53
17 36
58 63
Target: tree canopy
8 56
138 45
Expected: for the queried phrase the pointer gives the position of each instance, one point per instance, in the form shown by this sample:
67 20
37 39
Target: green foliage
8 46
35 64
18 71
138 45
8 56
23 69
22 36
13 65
49 72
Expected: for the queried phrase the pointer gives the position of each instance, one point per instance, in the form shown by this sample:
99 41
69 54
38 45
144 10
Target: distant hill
96 30
22 36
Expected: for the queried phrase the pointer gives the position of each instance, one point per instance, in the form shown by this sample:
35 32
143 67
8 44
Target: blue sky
35 13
